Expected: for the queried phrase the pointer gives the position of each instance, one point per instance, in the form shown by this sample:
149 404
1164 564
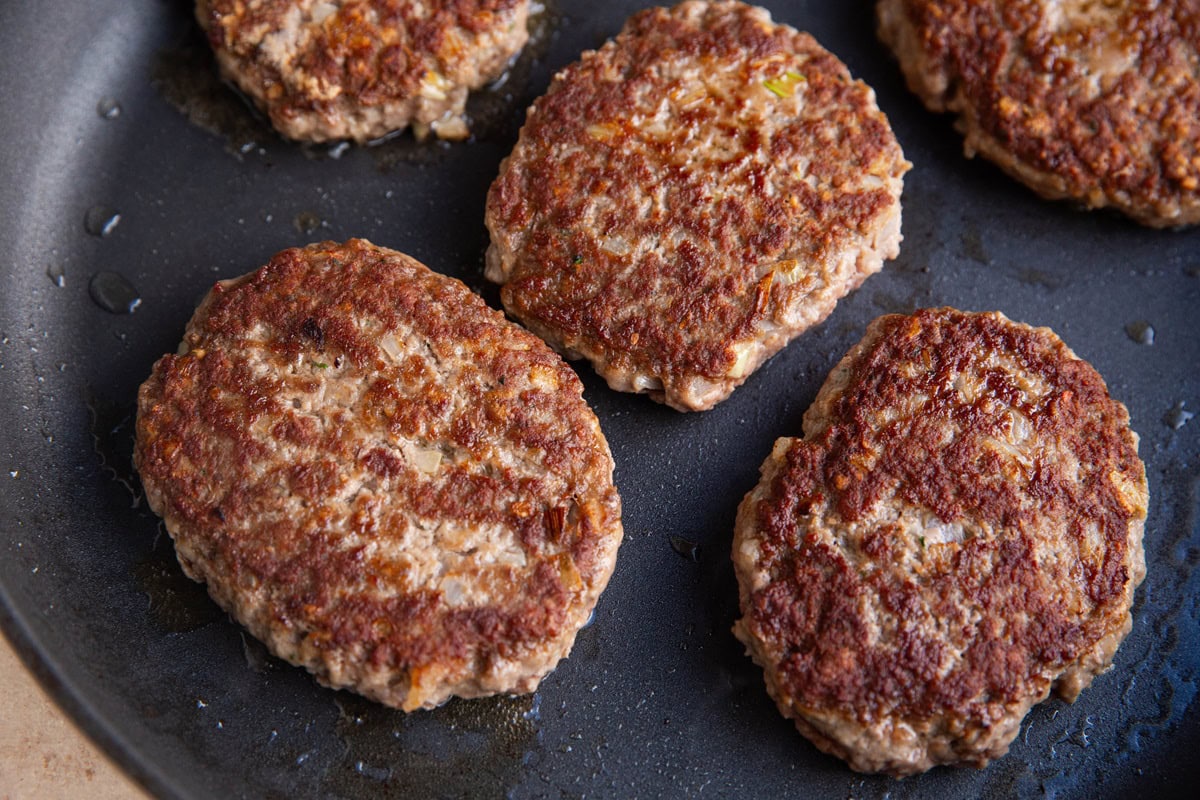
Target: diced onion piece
615 245
603 130
742 365
390 346
643 383
321 11
427 461
434 86
453 593
937 532
451 127
543 378
789 271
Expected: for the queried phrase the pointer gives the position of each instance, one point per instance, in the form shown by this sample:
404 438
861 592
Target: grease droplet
972 246
374 773
686 548
176 603
306 222
1081 737
258 658
114 293
1037 277
100 220
108 108
112 442
186 77
1176 418
466 748
57 275
1141 332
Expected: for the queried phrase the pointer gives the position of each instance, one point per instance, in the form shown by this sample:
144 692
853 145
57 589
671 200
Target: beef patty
381 477
360 69
1094 101
690 197
959 532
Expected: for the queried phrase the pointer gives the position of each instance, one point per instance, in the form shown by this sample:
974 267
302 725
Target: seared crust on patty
381 477
688 198
1094 101
958 533
360 69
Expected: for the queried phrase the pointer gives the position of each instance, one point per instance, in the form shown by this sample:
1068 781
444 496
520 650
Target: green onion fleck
785 84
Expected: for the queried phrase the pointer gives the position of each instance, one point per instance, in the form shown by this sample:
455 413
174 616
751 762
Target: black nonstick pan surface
111 108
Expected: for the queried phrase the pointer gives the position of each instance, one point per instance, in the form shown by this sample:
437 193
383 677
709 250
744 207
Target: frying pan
110 108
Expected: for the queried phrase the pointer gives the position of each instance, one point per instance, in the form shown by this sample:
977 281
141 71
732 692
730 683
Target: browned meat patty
360 69
959 532
690 197
381 477
1094 101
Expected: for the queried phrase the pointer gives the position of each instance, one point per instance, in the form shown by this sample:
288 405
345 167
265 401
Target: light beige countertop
43 756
